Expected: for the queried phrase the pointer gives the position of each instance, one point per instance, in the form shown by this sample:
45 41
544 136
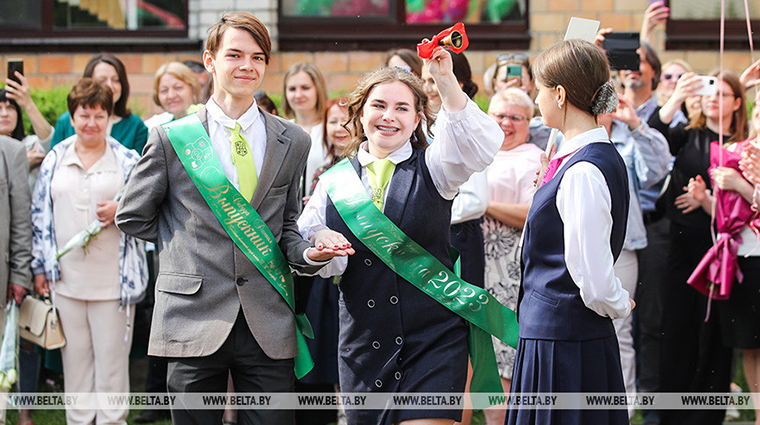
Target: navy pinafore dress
565 346
393 337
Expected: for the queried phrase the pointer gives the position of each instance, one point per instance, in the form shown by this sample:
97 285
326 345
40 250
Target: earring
559 105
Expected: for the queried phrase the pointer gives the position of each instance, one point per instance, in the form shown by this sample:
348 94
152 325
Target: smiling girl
393 337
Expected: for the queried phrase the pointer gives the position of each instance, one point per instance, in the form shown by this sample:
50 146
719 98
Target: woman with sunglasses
495 78
671 72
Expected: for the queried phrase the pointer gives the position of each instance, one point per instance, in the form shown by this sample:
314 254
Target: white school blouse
584 204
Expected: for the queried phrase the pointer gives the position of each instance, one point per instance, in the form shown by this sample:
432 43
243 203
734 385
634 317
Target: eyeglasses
511 57
671 77
724 95
517 119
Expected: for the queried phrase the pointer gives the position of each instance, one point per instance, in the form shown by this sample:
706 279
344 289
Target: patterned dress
511 179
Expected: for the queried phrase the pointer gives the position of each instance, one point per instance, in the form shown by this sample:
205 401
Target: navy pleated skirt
549 366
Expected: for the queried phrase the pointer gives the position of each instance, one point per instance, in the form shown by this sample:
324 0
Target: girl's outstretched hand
329 244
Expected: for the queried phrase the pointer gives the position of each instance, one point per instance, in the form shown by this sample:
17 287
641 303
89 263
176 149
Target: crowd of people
605 248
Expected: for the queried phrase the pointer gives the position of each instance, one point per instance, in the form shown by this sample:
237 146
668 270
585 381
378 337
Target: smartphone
15 65
709 86
622 50
514 72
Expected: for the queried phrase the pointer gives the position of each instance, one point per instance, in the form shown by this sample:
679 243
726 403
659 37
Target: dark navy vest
551 306
384 320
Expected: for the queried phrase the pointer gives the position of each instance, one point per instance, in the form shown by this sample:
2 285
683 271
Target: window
119 25
384 24
695 24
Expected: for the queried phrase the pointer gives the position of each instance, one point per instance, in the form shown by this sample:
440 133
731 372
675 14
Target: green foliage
138 108
482 100
52 103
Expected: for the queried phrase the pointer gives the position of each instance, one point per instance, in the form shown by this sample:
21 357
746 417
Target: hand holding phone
514 72
13 66
709 86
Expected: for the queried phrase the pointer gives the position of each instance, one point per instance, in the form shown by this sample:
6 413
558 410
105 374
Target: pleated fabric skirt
550 366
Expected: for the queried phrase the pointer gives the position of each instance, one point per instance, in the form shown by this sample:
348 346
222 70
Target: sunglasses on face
511 57
671 77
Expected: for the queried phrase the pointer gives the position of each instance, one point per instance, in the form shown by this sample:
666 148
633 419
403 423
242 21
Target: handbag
38 322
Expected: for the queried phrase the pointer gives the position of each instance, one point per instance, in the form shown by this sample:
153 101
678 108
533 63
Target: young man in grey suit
214 311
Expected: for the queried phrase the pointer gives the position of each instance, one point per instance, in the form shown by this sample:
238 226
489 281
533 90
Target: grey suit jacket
204 279
15 218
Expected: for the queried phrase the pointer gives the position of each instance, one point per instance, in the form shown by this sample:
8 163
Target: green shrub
52 103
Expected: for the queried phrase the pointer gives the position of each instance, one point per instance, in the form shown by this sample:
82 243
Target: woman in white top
96 286
175 89
573 235
511 184
394 337
304 101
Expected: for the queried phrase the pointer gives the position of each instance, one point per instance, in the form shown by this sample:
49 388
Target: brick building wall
548 20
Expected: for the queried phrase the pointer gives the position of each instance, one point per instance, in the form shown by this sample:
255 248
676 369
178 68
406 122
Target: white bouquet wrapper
9 349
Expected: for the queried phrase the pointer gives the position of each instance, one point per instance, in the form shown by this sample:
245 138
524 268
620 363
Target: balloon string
749 32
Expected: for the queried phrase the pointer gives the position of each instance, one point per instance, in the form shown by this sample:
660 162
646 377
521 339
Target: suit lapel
203 116
274 156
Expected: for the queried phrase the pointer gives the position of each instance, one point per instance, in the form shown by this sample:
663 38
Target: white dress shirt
317 154
584 204
466 143
472 200
253 130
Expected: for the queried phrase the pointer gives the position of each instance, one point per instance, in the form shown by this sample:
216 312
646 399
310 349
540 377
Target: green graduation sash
238 218
413 263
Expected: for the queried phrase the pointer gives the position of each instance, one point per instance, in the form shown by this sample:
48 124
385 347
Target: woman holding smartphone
15 98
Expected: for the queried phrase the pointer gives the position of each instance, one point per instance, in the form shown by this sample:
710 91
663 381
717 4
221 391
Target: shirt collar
571 145
246 120
104 163
399 155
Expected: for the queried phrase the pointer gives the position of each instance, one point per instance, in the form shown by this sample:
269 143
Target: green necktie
243 160
379 174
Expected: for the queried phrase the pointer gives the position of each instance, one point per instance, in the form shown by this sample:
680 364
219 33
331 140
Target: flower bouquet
9 349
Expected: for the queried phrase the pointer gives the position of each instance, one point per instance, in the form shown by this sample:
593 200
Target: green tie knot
379 174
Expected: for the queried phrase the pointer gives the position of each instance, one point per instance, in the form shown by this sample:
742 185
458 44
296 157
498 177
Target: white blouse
584 204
